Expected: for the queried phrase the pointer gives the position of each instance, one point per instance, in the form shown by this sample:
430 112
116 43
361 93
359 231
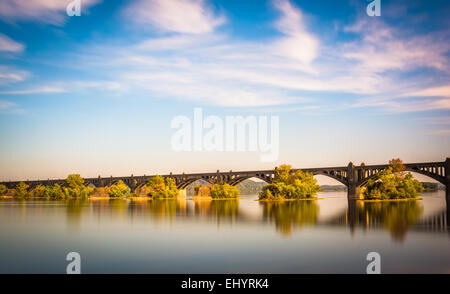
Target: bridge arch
434 176
238 180
110 183
431 175
337 177
183 184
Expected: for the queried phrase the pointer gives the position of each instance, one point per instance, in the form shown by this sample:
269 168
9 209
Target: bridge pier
353 190
447 188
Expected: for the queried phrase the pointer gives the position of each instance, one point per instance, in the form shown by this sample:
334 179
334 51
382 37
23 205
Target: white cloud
10 107
9 45
443 120
180 16
39 90
382 48
179 41
197 87
10 75
401 106
44 11
5 105
440 91
298 44
198 64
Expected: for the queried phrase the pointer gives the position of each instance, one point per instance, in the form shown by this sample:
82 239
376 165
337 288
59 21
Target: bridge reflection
397 218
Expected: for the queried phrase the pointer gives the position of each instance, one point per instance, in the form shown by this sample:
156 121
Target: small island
289 185
72 188
221 191
393 183
159 187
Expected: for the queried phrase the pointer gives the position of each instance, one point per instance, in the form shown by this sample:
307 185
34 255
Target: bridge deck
238 173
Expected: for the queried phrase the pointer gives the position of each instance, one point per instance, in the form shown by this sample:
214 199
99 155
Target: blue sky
95 94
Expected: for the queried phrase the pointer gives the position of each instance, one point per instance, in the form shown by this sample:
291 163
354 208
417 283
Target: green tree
74 187
393 183
160 187
119 189
21 190
290 185
74 181
39 191
3 190
224 191
171 188
55 192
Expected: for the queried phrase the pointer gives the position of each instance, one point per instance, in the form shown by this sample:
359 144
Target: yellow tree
3 190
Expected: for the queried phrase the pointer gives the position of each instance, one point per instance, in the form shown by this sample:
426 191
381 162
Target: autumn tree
3 190
21 189
393 183
397 165
118 189
290 185
74 187
160 187
224 190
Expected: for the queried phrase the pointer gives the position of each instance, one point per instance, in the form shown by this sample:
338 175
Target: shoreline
389 200
282 200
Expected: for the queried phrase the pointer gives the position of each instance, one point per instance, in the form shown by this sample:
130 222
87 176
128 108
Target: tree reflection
159 208
289 214
74 209
397 217
220 209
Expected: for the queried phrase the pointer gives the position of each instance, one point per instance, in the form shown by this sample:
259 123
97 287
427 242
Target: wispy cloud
10 75
41 90
440 91
6 105
438 120
180 16
9 45
10 107
409 105
192 61
44 11
383 48
439 125
298 44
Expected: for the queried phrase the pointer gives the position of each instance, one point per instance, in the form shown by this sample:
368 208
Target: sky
95 94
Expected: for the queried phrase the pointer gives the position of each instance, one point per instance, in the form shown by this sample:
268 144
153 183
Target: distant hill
250 187
432 186
333 188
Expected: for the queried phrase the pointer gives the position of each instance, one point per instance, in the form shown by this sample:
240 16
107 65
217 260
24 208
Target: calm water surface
329 235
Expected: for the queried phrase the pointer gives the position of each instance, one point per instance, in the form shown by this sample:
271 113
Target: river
329 235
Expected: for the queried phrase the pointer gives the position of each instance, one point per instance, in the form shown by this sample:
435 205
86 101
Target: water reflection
158 210
330 235
74 210
289 214
226 210
396 217
287 218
